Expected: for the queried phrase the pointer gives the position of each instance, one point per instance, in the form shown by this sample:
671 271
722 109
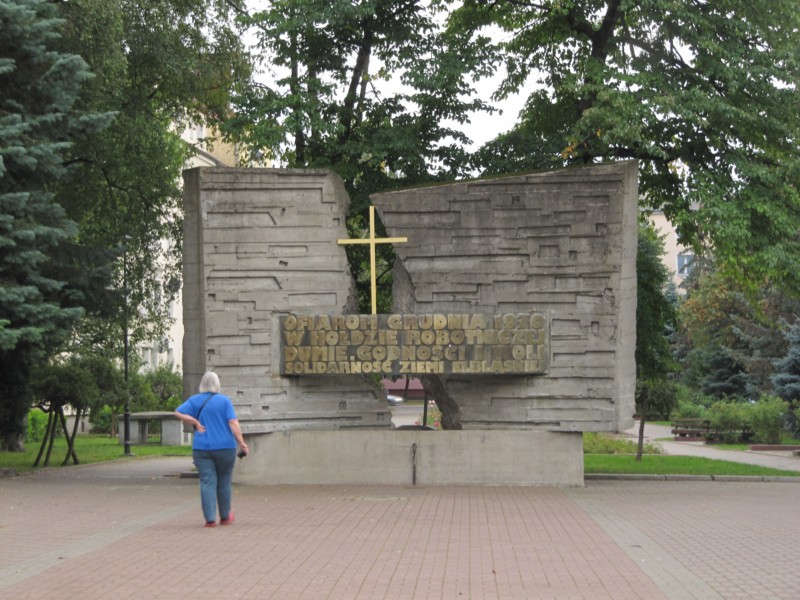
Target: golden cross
372 240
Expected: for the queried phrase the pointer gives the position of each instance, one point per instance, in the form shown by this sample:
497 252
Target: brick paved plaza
134 530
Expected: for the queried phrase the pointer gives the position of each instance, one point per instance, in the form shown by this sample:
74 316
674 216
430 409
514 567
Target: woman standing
216 438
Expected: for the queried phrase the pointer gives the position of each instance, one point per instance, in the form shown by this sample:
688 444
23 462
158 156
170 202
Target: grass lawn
673 465
89 448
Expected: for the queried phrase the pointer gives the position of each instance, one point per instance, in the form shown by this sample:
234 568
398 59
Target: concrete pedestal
407 457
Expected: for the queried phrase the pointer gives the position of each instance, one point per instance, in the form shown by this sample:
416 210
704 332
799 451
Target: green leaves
703 94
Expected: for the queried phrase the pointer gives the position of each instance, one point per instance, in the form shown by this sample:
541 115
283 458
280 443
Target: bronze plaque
401 344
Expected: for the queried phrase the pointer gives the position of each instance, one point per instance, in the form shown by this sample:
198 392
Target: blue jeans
216 474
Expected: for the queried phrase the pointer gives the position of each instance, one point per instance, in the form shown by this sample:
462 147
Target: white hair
209 382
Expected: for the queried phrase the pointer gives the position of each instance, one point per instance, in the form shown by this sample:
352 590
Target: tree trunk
13 442
451 412
640 449
71 438
45 438
52 434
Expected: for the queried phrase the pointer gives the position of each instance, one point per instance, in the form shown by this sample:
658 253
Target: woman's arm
237 433
191 420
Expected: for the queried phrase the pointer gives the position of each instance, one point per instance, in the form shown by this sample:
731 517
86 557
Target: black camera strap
199 412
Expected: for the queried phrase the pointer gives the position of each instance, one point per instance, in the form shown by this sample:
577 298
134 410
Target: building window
685 263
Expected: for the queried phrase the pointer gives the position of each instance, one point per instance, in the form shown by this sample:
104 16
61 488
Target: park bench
699 430
690 430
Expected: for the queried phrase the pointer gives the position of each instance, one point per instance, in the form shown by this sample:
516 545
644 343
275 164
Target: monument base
392 457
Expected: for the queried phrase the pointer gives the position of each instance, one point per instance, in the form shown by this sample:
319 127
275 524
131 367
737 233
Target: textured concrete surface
561 243
425 457
260 244
131 529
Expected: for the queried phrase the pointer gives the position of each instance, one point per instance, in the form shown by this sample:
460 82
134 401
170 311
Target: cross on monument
372 241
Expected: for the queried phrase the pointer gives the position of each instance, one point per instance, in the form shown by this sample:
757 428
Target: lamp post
127 411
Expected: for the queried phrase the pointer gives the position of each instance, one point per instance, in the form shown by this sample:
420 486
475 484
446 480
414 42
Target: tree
729 339
56 386
158 64
703 94
787 369
655 318
655 312
654 399
332 97
786 378
39 121
167 387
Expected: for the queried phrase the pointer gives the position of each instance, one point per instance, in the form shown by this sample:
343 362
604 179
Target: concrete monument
514 299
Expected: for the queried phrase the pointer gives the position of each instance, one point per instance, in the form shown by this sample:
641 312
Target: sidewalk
132 529
656 433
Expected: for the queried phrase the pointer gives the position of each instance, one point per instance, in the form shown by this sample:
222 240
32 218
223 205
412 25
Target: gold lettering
412 337
319 353
294 338
428 337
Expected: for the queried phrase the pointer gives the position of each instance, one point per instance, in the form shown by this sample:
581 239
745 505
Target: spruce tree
786 379
38 121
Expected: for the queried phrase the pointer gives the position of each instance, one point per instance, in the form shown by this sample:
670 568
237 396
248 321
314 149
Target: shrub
101 420
689 410
728 417
167 387
37 423
599 443
434 416
768 419
691 395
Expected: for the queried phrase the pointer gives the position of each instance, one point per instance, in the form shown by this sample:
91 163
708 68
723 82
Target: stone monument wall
259 244
561 243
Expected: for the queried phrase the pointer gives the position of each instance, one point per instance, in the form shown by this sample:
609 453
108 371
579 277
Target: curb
718 478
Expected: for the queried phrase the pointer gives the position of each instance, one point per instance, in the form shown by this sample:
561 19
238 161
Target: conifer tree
786 379
39 120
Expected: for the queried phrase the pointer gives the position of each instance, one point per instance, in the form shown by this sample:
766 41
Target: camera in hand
241 454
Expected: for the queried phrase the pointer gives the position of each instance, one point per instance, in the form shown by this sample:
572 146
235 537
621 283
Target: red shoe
229 520
211 524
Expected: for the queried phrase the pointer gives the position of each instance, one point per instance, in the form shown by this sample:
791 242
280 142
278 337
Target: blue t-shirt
215 416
